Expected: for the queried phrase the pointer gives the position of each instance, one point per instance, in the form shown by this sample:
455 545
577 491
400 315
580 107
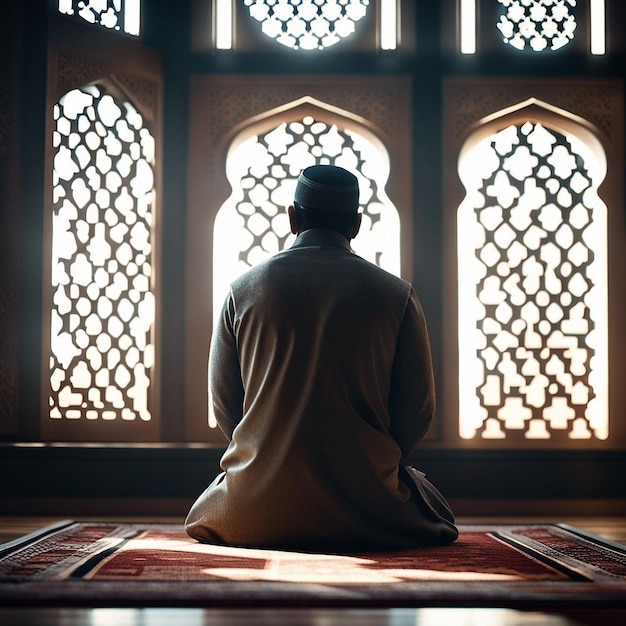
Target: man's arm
412 392
224 373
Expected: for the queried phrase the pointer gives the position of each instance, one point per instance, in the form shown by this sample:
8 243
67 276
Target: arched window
262 169
249 140
532 279
102 301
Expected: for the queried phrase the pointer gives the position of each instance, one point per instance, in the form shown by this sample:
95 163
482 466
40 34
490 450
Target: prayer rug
514 566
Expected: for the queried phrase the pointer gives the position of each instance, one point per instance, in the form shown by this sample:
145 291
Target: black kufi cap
327 188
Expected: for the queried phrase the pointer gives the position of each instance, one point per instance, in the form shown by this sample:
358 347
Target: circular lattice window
307 24
537 24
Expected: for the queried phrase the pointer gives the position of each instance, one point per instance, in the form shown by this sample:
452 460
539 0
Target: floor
611 528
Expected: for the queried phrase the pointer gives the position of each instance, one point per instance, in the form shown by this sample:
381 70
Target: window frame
261 101
614 17
469 105
247 36
79 55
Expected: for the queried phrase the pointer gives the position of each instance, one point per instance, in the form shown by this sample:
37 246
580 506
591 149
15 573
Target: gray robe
321 376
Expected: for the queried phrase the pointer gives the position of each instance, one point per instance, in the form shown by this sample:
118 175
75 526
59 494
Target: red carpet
76 564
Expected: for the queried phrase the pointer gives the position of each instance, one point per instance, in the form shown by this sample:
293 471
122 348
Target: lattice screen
537 24
102 317
532 288
307 24
114 14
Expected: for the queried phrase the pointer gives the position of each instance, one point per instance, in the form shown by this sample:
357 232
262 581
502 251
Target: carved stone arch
301 107
287 112
81 55
536 110
74 72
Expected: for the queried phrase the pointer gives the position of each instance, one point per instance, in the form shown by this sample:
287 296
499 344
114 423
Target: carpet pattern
79 563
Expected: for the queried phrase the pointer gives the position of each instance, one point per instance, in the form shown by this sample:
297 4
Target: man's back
321 374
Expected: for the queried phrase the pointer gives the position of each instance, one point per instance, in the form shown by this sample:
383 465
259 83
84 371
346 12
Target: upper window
120 15
533 26
263 168
537 24
307 25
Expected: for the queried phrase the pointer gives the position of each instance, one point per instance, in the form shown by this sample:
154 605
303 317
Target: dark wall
165 480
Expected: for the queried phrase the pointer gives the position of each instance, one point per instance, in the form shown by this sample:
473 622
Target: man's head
326 196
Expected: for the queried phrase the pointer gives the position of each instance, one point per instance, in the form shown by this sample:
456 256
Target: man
321 377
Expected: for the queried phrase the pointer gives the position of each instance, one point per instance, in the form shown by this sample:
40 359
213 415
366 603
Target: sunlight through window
468 26
114 14
532 295
598 19
388 24
223 19
263 169
307 24
132 17
103 308
537 24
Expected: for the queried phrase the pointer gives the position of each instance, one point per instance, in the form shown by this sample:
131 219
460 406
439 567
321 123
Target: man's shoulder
380 274
292 263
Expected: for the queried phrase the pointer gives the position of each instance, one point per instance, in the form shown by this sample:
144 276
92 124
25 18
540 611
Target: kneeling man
321 377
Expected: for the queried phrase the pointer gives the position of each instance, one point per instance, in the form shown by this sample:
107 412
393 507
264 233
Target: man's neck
322 237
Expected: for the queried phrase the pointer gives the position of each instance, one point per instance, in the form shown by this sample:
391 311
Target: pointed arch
101 320
532 278
265 156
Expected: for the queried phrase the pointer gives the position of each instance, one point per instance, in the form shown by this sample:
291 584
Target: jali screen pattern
532 289
102 317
